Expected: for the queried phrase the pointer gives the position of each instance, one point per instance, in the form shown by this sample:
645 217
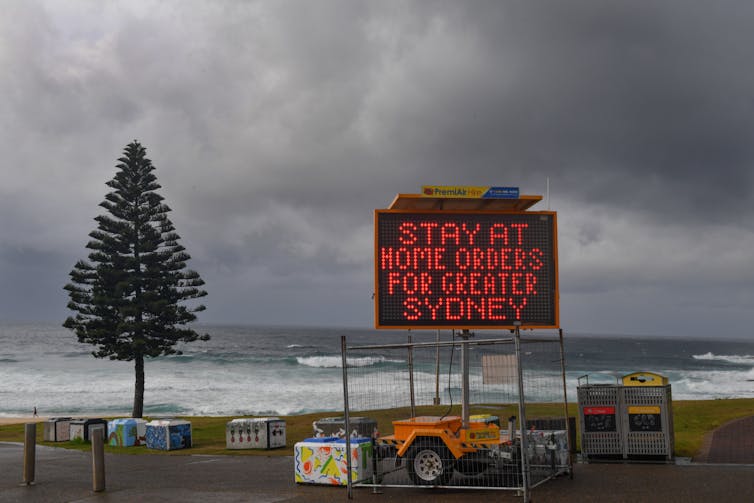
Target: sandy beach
38 419
21 420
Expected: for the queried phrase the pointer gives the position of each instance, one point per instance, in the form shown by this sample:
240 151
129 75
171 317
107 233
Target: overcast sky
277 127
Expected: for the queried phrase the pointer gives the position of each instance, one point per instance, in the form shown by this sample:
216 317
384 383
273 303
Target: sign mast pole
465 335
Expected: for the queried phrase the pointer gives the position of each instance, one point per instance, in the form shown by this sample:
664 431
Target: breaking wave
737 359
327 362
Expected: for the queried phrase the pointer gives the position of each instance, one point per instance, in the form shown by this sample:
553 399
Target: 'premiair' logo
470 192
444 191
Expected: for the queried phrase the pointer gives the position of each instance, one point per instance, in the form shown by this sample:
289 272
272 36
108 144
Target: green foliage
129 295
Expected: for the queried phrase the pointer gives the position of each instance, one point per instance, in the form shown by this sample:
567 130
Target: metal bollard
30 451
98 459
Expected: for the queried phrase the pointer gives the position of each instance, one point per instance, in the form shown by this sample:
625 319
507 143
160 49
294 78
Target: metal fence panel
424 381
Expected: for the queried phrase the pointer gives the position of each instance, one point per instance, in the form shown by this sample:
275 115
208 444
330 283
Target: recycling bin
600 420
648 417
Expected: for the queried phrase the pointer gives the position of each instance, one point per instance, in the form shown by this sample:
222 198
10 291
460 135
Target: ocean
252 370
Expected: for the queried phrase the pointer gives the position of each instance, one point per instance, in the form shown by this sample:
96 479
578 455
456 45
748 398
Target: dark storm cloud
277 127
642 105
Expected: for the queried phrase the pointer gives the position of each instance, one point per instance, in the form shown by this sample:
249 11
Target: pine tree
130 295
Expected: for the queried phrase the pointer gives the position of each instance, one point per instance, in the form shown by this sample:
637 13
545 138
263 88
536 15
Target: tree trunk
139 388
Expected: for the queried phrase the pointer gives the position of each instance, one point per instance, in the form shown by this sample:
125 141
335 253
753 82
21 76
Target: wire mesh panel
423 439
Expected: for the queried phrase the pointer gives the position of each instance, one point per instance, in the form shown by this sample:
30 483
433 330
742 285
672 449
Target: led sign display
444 269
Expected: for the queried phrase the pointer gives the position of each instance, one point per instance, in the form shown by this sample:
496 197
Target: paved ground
724 471
65 476
733 442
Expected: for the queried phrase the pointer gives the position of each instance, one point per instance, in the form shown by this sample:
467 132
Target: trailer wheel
430 463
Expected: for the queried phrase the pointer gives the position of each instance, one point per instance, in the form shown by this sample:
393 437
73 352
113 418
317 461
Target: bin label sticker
643 409
598 419
647 418
598 411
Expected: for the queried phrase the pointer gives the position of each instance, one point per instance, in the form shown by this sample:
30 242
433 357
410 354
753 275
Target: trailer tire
430 463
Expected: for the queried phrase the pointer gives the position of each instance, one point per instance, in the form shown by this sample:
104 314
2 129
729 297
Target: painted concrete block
57 429
127 432
82 428
323 460
255 433
168 434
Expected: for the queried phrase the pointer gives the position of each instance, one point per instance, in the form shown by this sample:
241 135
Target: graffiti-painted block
323 460
82 428
127 432
257 433
57 429
365 427
168 434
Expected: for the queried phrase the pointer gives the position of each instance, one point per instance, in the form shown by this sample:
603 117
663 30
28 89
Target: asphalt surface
63 475
733 442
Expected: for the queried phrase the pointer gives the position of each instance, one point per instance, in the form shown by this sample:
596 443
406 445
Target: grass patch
693 419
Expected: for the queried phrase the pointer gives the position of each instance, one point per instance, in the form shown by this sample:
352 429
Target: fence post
346 415
30 451
411 374
522 415
98 459
437 370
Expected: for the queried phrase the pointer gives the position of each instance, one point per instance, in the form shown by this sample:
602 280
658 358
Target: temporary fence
459 408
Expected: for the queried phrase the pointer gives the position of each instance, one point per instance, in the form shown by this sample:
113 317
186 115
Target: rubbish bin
600 420
648 416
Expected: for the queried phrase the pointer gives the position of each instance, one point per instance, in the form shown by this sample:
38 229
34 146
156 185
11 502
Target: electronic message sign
465 269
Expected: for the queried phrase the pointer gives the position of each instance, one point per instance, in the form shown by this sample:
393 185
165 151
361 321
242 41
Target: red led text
463 269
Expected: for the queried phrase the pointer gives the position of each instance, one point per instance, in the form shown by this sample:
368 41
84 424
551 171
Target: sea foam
738 359
337 361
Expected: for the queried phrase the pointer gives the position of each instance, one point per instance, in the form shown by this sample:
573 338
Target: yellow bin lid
644 379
